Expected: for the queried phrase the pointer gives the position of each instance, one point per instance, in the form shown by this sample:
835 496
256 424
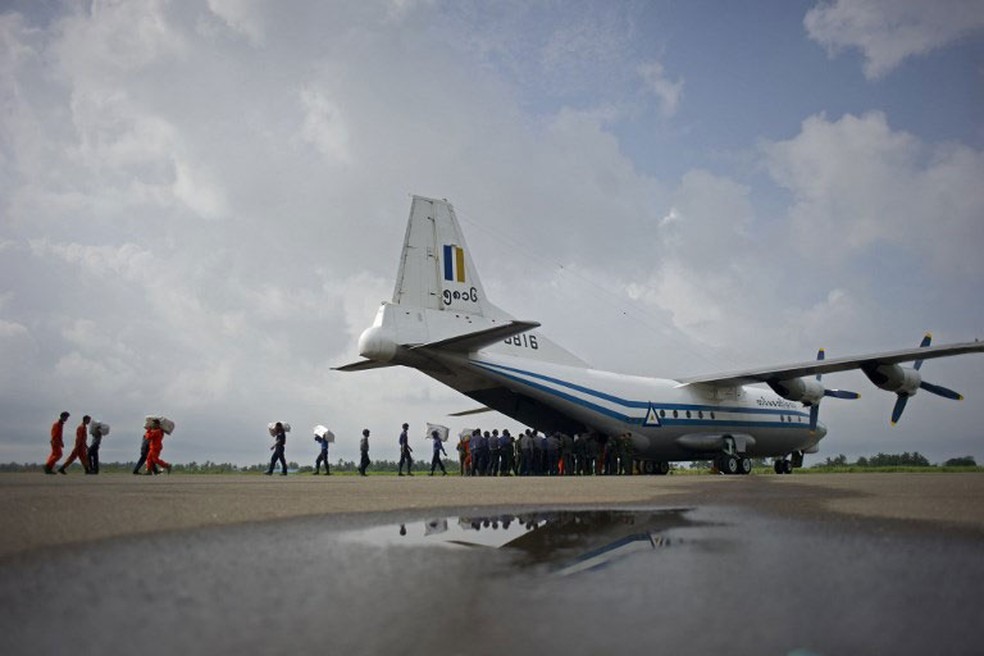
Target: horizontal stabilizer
363 365
474 411
480 338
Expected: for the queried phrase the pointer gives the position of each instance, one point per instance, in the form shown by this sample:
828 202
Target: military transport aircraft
441 323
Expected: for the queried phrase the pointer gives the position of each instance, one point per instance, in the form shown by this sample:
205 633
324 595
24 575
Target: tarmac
47 511
801 565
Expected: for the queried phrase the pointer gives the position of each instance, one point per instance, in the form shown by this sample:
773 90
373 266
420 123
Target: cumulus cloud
889 31
324 126
668 91
862 183
240 16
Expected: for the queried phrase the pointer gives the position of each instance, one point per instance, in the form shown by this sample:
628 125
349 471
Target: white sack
442 431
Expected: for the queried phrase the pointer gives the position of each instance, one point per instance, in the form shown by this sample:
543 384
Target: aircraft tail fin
439 305
436 269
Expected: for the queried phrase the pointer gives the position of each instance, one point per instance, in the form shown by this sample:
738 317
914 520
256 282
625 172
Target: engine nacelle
894 378
807 392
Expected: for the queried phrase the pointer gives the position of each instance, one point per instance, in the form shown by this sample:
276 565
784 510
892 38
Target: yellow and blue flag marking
454 263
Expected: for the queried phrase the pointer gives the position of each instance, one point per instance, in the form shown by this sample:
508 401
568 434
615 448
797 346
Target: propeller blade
814 414
820 356
841 394
926 341
899 407
941 391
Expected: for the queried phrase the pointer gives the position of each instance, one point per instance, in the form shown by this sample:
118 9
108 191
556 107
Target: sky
202 204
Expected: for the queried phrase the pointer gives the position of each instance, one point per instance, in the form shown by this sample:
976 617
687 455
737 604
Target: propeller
938 390
835 393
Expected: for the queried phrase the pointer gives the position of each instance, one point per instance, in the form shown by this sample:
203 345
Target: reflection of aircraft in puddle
568 541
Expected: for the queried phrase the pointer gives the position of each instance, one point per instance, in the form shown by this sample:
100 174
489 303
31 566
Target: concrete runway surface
803 564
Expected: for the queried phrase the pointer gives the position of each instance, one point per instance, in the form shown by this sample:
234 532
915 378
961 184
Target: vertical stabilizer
436 269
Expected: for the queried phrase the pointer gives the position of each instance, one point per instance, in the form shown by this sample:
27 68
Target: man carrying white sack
279 442
323 457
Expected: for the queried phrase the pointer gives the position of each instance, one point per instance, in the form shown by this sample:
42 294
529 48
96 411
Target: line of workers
88 454
535 454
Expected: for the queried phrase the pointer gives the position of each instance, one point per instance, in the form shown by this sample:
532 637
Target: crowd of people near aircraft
484 453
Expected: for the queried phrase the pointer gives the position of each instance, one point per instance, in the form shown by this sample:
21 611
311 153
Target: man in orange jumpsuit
155 440
80 451
57 444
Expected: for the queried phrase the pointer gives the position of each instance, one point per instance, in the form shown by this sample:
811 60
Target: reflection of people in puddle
403 529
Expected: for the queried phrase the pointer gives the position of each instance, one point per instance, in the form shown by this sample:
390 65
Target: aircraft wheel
779 466
728 464
745 466
787 467
648 467
662 468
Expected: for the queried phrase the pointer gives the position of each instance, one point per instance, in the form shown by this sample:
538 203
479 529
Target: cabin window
662 413
675 415
700 414
688 414
712 414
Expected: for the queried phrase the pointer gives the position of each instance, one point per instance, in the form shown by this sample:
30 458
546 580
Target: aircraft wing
810 367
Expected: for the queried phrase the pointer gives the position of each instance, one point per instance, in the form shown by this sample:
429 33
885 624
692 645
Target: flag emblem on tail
454 263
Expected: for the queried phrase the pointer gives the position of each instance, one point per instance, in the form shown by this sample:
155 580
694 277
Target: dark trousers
317 463
405 457
94 460
364 463
144 448
278 455
436 462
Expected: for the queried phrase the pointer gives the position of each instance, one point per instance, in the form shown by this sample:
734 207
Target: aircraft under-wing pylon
441 323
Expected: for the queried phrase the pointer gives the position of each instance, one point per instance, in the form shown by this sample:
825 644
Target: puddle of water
567 542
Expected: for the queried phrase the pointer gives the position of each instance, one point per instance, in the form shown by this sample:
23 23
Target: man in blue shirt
405 451
323 457
438 451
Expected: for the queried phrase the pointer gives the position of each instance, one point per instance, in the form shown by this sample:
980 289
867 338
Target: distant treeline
914 459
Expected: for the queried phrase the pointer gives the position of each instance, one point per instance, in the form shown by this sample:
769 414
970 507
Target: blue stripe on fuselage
511 374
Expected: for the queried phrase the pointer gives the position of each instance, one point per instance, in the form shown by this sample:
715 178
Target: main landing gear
657 467
787 465
729 461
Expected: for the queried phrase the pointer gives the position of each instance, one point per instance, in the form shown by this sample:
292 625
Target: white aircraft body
441 323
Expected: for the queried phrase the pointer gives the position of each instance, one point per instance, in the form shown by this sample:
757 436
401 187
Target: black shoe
316 473
49 470
269 473
400 474
283 474
61 470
